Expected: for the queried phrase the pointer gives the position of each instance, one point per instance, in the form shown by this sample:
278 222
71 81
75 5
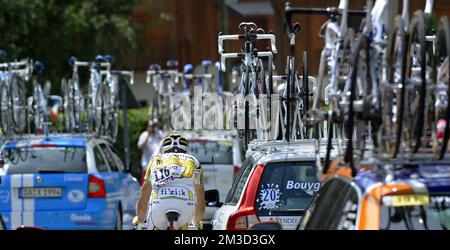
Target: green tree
53 30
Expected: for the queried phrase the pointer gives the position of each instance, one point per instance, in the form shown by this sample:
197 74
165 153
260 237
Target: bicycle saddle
155 66
206 63
172 63
172 216
260 31
247 26
72 60
3 54
188 68
38 67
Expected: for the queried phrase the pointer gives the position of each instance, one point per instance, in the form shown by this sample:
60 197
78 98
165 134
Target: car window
286 188
46 159
212 152
434 214
116 155
100 162
109 157
328 207
239 182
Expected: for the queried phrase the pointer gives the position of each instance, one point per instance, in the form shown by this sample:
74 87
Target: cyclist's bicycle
116 76
252 75
335 63
37 103
13 76
164 84
99 104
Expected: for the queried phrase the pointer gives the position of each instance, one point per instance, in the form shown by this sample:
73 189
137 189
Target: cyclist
173 184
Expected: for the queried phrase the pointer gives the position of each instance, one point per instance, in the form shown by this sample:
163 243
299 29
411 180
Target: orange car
407 197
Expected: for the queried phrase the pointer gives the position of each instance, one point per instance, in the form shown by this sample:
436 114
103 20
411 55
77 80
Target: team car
276 183
383 197
65 182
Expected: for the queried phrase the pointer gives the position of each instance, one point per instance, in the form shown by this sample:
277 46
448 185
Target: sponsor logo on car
75 196
4 196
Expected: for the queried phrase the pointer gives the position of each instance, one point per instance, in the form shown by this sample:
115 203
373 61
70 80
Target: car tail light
246 216
96 187
242 219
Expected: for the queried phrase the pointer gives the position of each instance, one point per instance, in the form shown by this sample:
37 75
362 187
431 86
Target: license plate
410 200
47 192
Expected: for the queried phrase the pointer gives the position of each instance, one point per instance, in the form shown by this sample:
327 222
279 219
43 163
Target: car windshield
286 189
212 152
433 215
45 160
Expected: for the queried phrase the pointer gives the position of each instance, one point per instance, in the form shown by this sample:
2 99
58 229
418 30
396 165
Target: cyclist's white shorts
156 217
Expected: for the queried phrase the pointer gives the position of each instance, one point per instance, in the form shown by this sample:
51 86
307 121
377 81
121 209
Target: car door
335 207
231 203
113 177
129 187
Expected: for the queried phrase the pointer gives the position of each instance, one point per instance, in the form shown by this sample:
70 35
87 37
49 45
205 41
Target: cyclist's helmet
175 143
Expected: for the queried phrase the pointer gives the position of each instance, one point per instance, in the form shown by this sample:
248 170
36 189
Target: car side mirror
265 226
212 198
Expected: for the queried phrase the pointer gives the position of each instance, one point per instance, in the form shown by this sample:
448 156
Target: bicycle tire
17 95
305 93
290 79
348 122
390 136
37 109
5 110
246 105
413 119
442 51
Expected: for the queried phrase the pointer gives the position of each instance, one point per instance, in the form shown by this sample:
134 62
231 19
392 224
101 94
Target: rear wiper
50 171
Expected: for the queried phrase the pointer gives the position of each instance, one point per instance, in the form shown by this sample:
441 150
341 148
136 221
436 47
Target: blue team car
65 182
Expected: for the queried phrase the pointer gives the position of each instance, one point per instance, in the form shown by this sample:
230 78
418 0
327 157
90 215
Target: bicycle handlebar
290 11
127 73
168 72
198 76
270 37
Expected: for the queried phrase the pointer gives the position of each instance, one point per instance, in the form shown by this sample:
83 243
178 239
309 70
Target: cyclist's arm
142 203
144 197
199 188
200 203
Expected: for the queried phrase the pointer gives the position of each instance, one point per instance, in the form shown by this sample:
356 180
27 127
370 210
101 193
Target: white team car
276 183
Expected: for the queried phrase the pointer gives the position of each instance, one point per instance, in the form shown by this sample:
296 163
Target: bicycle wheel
356 95
415 85
305 93
246 115
440 105
290 80
392 91
38 109
17 94
101 110
114 117
5 110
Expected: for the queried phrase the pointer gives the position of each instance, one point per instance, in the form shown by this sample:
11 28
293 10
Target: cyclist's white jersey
172 176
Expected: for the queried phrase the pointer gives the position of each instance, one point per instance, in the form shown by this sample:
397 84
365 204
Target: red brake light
245 216
96 187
